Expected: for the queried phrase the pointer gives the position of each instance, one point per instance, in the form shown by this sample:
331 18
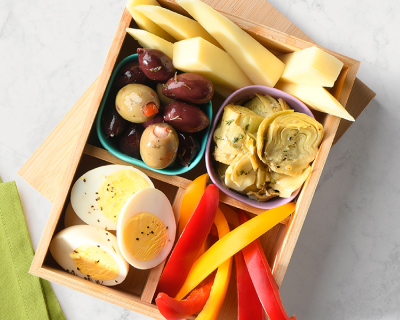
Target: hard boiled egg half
146 228
98 196
91 253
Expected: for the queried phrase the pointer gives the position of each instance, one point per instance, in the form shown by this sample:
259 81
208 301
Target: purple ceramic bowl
245 93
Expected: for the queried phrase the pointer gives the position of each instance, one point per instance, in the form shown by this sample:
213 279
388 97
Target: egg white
71 238
152 201
84 194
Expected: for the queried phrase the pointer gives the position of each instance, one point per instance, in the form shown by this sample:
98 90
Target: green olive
137 103
159 145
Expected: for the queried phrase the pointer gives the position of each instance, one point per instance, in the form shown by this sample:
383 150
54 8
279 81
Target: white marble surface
347 259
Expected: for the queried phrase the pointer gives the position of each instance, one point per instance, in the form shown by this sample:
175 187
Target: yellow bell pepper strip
221 281
173 309
190 200
186 249
249 305
263 280
234 241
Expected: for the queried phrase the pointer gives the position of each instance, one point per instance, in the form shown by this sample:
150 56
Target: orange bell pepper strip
263 280
221 281
234 241
189 244
249 305
173 309
190 200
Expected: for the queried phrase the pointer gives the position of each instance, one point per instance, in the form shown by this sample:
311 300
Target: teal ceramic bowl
111 144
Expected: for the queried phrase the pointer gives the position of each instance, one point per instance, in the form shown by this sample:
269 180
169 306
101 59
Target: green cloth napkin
22 295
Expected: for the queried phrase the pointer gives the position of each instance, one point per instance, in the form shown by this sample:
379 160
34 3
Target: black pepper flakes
137 239
84 180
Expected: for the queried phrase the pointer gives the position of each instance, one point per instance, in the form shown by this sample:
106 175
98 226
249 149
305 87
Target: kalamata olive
130 73
185 117
157 119
163 99
189 87
129 142
188 149
155 64
159 145
113 124
137 103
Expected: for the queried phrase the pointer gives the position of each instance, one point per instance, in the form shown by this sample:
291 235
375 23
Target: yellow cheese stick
312 67
202 57
151 41
260 65
145 23
316 98
177 25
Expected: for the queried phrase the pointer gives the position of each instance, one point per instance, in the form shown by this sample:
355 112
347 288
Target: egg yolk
95 262
145 235
116 189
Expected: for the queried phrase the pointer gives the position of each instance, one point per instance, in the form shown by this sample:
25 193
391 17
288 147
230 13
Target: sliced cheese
145 23
177 25
260 65
316 98
151 41
200 56
312 67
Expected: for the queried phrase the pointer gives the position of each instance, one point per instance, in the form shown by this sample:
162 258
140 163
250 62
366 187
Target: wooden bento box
137 291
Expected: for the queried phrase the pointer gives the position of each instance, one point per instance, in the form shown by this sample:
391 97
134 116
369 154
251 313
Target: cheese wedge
177 25
202 57
260 65
316 98
145 23
151 41
312 67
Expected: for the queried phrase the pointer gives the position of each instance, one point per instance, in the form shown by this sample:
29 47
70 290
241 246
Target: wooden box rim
275 38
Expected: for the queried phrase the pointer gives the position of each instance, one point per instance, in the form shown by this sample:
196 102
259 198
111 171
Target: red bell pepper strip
190 242
173 309
263 280
249 306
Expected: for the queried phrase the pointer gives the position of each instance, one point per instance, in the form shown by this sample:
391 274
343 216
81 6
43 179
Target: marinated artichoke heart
285 184
240 175
266 105
288 141
230 135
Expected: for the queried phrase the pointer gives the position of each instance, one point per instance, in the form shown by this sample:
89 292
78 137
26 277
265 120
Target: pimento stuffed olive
137 103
